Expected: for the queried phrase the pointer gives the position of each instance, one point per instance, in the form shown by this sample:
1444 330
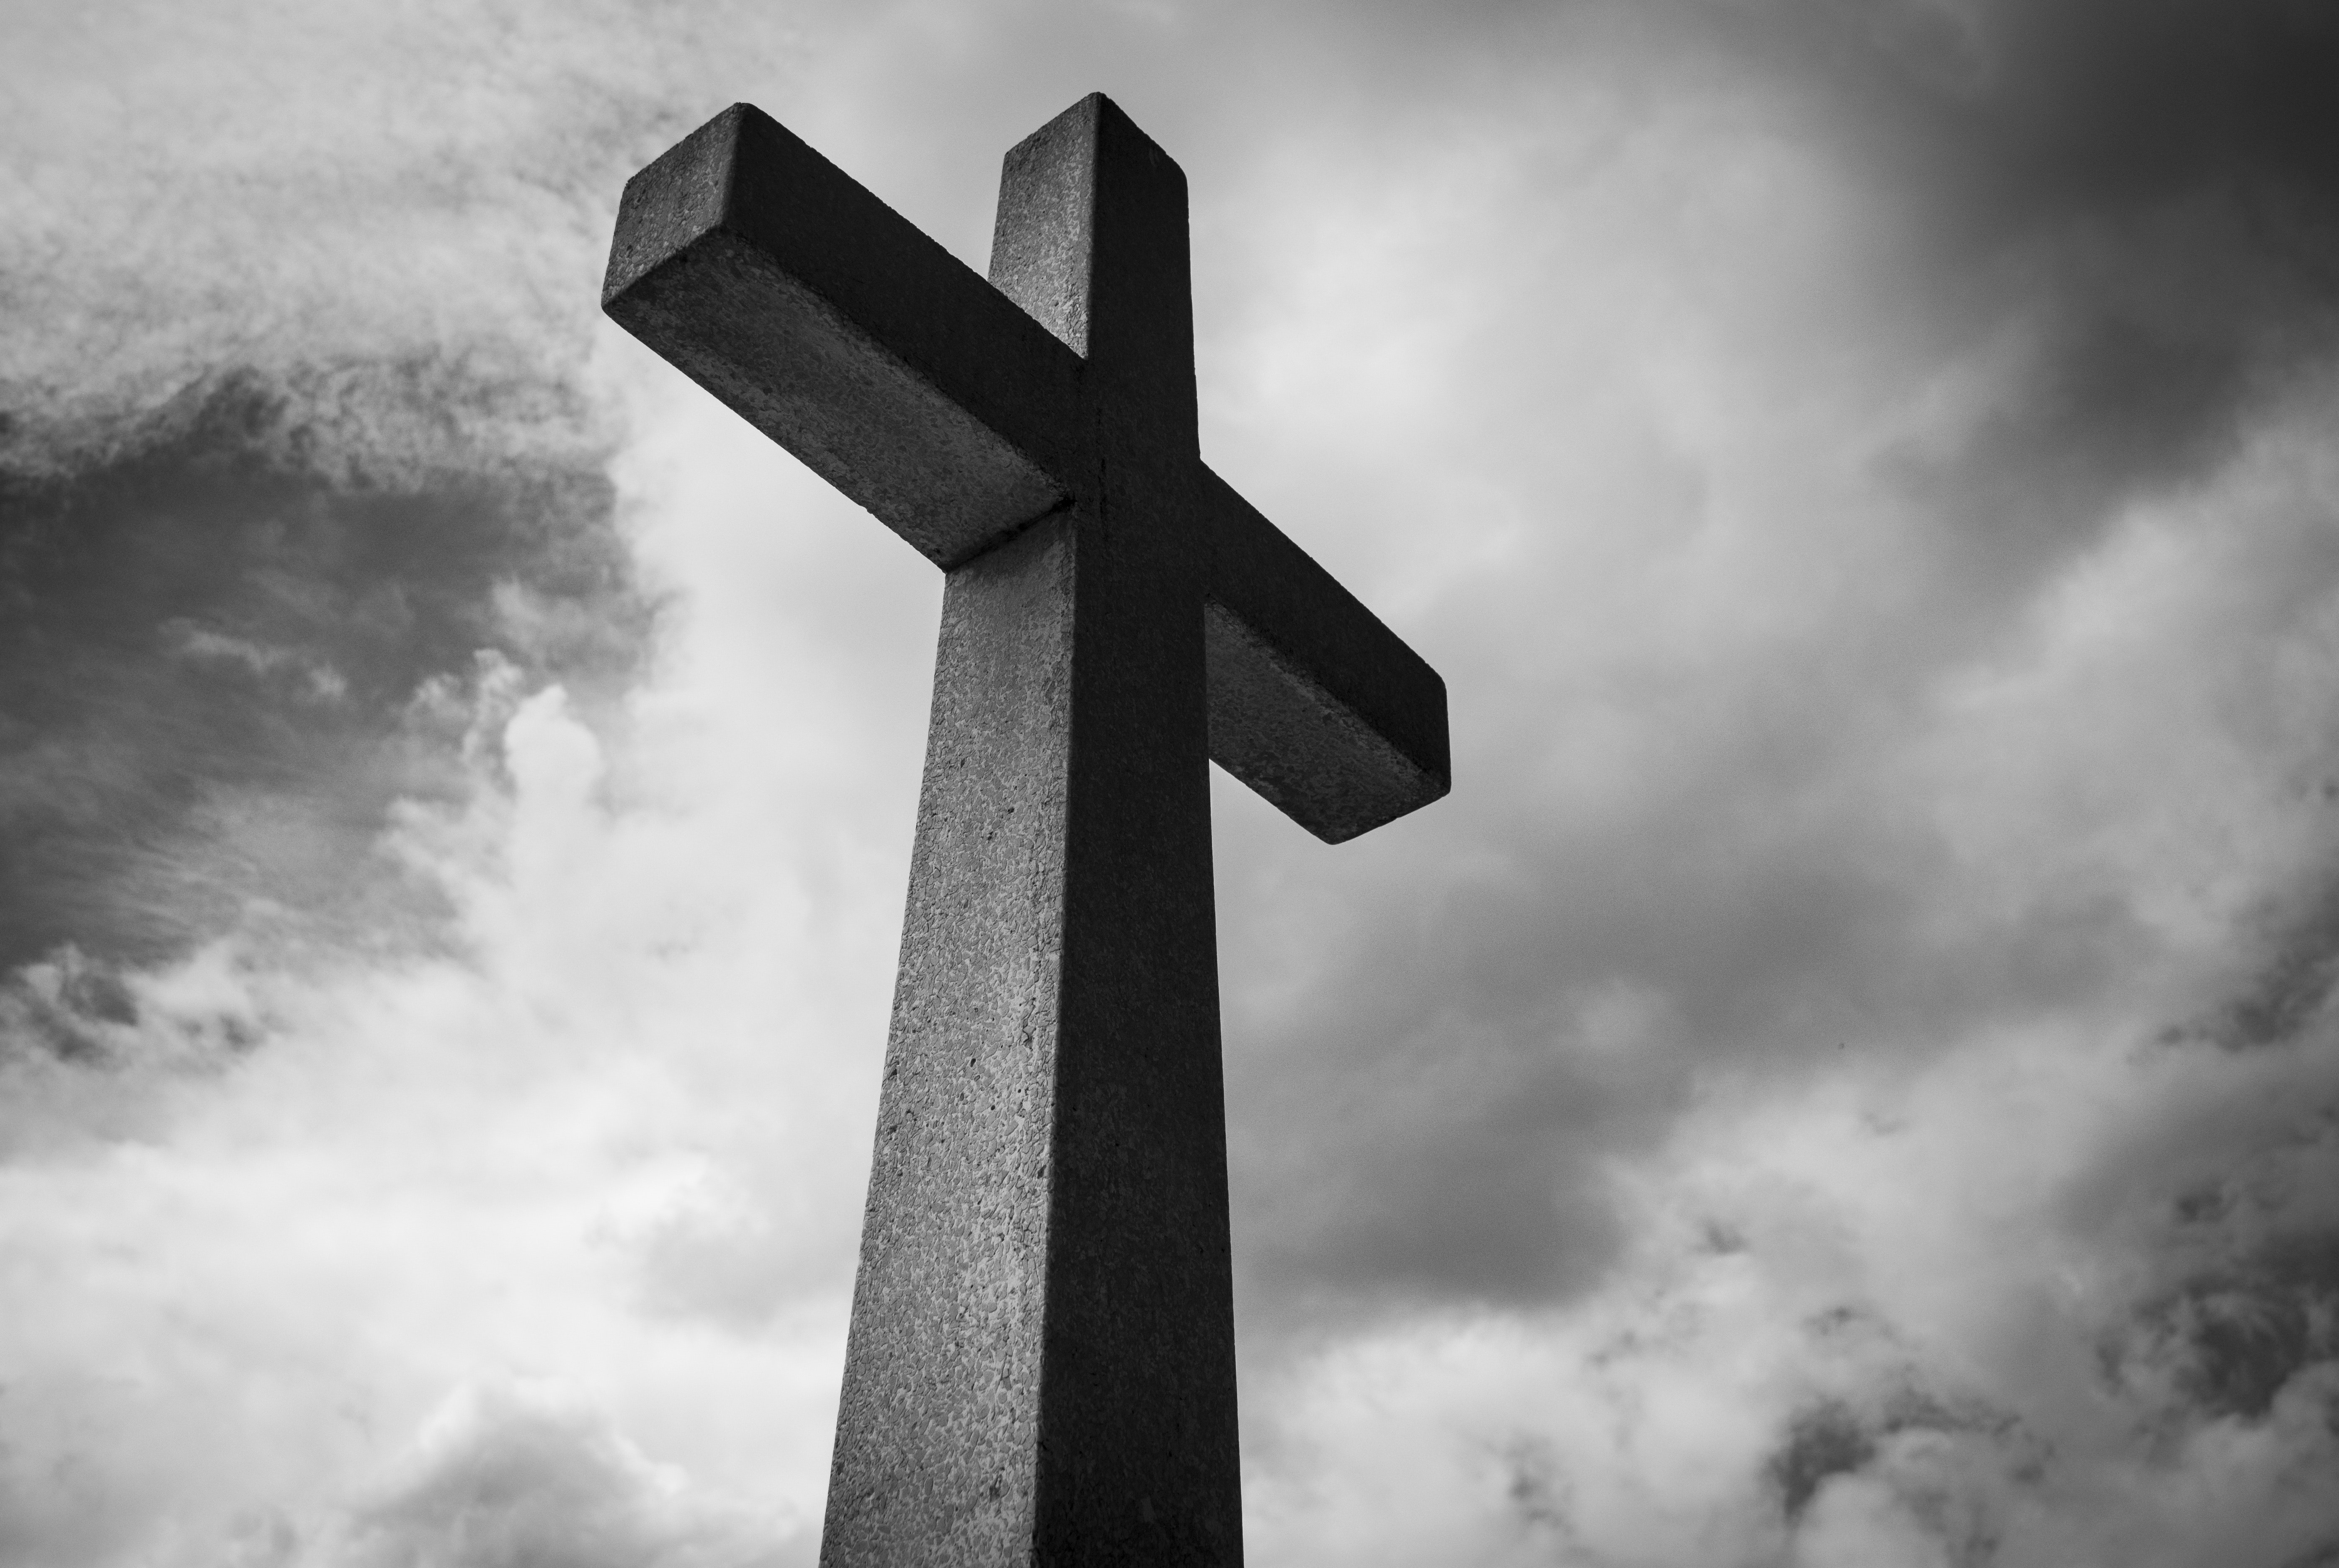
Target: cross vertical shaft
1040 1367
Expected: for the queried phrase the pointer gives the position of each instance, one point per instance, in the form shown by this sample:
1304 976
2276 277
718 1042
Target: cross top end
960 411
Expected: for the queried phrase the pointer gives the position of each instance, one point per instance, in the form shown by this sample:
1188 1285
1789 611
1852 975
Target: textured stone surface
844 334
1314 702
1041 1369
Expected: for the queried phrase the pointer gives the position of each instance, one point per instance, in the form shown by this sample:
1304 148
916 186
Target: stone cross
1040 1367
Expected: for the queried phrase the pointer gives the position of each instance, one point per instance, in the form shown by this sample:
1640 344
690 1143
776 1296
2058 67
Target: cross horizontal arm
830 322
1313 702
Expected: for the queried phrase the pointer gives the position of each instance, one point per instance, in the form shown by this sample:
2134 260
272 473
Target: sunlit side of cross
1040 1365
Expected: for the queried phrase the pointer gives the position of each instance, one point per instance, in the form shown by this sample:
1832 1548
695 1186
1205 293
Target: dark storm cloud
2040 111
2107 410
2226 1210
1953 1446
2153 185
1430 1170
2293 959
1462 1089
214 638
1498 1053
2120 224
2126 103
295 424
1822 1443
2228 1342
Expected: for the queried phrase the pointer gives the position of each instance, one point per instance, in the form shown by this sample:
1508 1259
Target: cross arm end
830 322
1313 702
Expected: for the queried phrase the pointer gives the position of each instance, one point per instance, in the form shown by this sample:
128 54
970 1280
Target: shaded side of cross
1040 1366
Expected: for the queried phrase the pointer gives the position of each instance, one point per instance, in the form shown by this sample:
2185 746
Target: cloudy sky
1850 1077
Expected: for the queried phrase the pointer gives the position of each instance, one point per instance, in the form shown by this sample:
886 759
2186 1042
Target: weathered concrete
1041 1362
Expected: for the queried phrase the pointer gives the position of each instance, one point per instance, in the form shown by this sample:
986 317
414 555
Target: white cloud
614 1136
498 1479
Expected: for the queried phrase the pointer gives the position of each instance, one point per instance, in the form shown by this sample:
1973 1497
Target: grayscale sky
1850 1077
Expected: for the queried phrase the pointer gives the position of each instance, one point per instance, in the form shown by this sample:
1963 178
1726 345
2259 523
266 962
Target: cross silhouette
1040 1366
